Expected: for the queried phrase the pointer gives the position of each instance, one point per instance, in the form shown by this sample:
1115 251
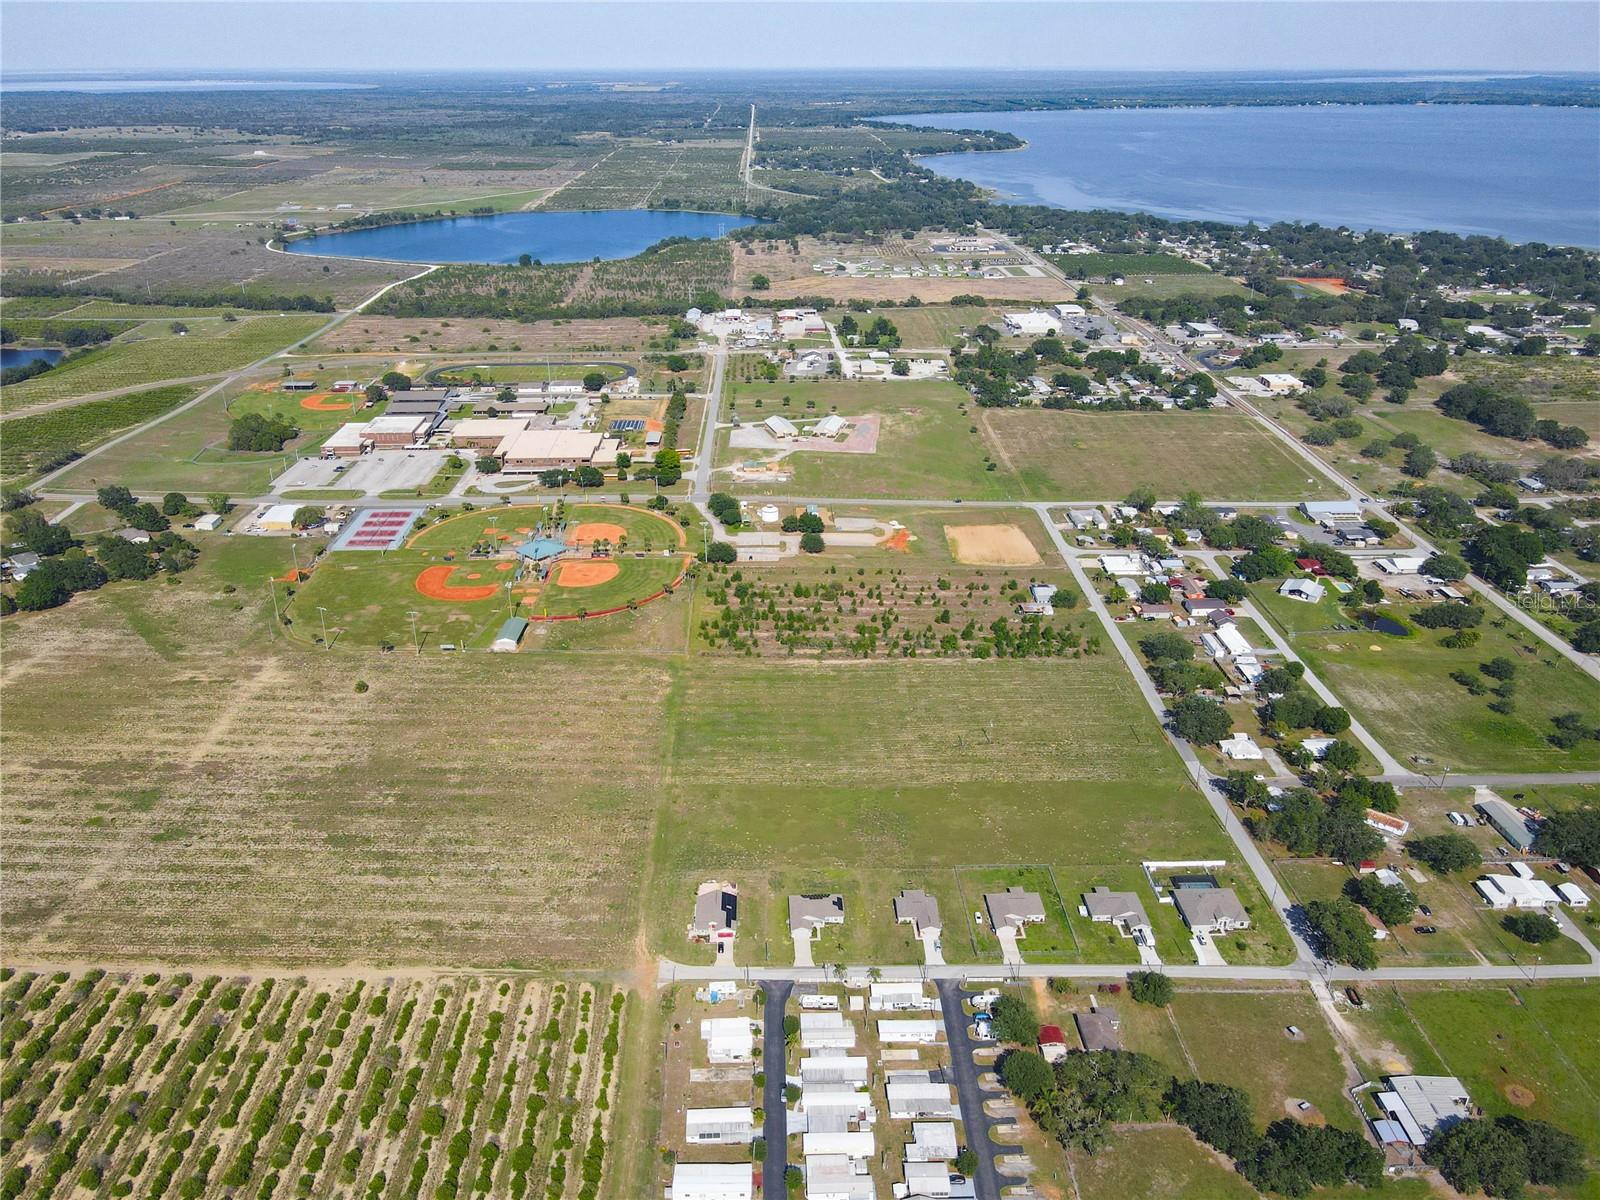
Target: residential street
986 1181
775 1127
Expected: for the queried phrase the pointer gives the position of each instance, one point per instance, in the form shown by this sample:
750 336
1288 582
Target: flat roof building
1508 822
719 1126
932 1141
1421 1104
485 433
713 1181
547 449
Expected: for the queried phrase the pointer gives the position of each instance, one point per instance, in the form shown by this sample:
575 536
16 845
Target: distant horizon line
601 73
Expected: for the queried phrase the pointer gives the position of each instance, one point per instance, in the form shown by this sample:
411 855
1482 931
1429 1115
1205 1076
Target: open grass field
1100 456
455 574
217 1086
188 453
1170 285
1241 1038
1527 1050
1082 266
930 327
153 353
1401 689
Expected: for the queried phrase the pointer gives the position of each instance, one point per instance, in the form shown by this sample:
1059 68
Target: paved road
986 1180
1221 807
775 1127
669 972
700 481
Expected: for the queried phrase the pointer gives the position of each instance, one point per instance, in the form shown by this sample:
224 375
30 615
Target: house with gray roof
1099 1030
1014 908
1122 909
1211 910
808 914
716 912
919 910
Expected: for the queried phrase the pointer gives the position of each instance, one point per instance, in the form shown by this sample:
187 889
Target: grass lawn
185 454
1401 689
1100 456
1171 285
931 327
1051 940
152 353
1099 941
1526 1050
924 448
1241 1038
817 763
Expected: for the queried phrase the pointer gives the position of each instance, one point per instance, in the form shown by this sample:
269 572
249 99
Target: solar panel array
627 425
378 529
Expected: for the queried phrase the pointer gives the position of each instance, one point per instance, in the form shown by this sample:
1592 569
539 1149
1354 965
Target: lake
21 356
551 237
1520 172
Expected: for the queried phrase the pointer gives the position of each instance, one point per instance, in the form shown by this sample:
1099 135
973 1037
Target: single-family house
1014 909
853 1143
1241 747
716 912
1124 911
1211 910
809 914
1306 590
1100 1029
1572 895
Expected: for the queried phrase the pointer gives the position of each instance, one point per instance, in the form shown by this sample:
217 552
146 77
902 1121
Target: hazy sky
597 35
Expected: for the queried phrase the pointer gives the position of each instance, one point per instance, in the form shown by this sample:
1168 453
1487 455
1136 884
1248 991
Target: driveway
1009 954
775 1125
1207 955
977 1123
802 947
931 954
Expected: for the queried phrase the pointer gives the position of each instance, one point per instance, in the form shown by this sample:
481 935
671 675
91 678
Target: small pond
548 237
22 356
1379 623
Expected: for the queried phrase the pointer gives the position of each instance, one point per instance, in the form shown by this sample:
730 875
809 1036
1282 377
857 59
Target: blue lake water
1519 172
21 356
550 237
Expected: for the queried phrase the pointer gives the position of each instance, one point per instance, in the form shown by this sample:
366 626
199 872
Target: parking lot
373 474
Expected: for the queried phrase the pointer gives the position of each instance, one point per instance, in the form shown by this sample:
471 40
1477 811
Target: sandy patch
322 402
991 545
434 583
586 574
1332 285
596 531
1520 1096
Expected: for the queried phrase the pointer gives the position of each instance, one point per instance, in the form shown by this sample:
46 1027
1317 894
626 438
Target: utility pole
414 640
272 590
323 613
